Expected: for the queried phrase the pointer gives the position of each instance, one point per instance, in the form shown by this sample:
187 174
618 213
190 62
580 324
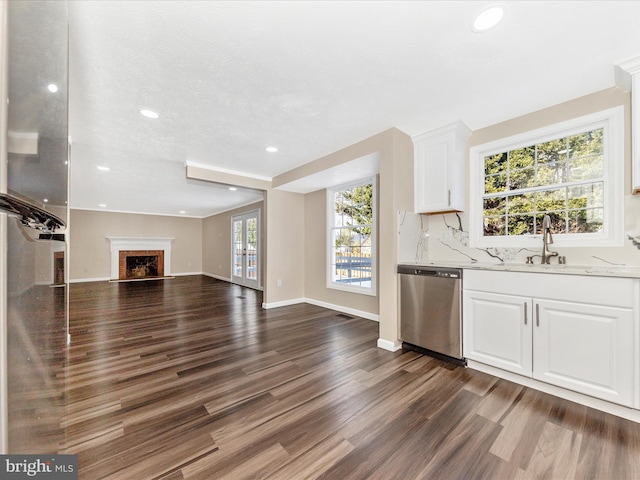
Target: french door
245 237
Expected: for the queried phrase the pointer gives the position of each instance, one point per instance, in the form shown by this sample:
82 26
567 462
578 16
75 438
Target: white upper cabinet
440 169
628 78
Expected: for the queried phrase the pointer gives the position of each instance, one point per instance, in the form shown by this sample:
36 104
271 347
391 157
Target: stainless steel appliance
430 310
33 213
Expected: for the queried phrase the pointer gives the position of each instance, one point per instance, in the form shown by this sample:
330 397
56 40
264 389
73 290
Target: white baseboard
106 279
229 280
330 306
217 277
185 274
389 345
283 303
83 280
612 408
350 311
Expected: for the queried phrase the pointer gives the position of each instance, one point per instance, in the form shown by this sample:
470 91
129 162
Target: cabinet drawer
607 291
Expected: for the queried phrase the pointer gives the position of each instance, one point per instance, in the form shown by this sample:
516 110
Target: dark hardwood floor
191 378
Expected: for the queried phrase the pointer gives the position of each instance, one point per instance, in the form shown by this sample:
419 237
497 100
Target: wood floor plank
316 460
522 427
499 400
556 454
472 439
191 378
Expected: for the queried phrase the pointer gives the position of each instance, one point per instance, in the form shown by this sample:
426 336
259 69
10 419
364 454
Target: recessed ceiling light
102 205
149 113
183 211
488 18
104 169
52 87
45 200
233 189
272 149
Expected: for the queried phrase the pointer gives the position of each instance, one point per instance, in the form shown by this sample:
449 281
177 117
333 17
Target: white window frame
330 203
612 234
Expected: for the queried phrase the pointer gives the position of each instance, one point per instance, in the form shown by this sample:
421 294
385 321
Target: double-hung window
351 259
572 171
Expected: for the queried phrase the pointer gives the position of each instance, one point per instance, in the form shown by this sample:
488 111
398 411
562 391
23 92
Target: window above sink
572 171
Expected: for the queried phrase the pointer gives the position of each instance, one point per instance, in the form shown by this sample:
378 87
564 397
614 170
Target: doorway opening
245 238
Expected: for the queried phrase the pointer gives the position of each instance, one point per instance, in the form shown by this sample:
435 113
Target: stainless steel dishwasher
430 310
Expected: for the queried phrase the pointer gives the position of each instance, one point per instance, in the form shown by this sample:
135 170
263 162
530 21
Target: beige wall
90 251
315 254
395 192
294 232
216 242
284 236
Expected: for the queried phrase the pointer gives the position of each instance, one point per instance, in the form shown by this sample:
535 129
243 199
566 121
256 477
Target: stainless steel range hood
29 215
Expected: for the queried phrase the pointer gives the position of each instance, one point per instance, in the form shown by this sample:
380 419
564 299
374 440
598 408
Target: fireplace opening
58 268
142 266
139 264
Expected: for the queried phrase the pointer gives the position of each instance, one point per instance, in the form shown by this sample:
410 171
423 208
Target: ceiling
229 78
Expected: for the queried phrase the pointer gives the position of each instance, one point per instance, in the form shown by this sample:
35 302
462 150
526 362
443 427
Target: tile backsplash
444 237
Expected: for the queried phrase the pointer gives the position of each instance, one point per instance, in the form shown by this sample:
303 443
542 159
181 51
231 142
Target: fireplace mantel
139 243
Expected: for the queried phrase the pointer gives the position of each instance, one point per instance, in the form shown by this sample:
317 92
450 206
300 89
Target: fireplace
58 268
134 258
138 264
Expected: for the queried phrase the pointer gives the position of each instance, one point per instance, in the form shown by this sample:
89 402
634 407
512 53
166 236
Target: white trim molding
389 345
139 243
283 303
349 311
86 280
217 277
330 306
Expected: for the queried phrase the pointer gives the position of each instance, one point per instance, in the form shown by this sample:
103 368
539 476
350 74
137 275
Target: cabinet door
585 348
497 330
433 175
439 169
635 126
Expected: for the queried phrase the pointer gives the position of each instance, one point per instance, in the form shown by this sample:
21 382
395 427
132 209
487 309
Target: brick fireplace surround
122 261
123 246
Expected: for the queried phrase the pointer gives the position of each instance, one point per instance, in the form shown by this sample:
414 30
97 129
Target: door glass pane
237 248
252 248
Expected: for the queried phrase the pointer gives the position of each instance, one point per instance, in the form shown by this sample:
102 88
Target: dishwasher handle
430 271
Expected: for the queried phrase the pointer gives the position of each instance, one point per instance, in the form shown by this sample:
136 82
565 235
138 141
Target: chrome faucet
547 239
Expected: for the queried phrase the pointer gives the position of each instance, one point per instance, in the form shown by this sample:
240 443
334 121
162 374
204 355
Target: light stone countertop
565 269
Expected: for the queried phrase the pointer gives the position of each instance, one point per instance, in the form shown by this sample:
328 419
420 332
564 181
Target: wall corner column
396 194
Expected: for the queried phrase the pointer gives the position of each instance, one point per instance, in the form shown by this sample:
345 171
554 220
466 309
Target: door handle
525 313
537 315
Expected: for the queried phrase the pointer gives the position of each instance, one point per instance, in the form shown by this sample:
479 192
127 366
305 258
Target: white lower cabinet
584 347
497 330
